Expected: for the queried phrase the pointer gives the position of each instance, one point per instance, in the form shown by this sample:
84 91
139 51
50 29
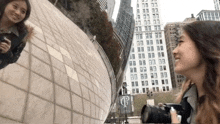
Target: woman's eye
23 12
15 7
179 42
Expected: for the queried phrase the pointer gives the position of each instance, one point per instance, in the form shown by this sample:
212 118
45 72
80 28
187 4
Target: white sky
175 10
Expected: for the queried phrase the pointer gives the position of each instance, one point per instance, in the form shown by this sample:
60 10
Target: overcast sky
175 10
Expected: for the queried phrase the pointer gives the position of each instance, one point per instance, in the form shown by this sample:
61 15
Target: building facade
125 22
217 3
209 15
148 68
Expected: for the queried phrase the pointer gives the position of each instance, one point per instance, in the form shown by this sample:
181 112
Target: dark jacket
189 103
18 42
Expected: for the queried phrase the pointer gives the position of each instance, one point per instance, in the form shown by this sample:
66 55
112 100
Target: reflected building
124 28
148 68
172 33
108 6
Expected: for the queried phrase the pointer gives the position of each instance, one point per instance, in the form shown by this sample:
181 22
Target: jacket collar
12 29
192 96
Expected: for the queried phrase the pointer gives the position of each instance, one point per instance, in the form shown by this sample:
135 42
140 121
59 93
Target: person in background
197 57
13 32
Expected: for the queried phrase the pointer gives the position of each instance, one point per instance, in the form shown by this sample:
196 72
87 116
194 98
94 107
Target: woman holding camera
13 32
197 57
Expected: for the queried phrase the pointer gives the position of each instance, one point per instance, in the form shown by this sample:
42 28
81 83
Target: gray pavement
60 77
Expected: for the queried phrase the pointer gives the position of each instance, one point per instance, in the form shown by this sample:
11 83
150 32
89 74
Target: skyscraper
217 3
147 67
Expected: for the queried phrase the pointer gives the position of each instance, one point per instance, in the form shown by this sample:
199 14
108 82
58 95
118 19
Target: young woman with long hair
13 31
197 57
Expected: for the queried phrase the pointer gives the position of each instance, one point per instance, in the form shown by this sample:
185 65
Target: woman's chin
178 71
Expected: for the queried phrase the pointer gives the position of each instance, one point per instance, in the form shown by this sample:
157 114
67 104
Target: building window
152 48
157 89
164 68
153 55
156 82
152 81
144 62
136 83
133 91
164 89
165 74
134 63
162 81
166 81
143 55
154 89
161 74
167 88
143 84
132 84
149 55
163 61
137 90
152 75
135 70
161 47
145 76
143 90
135 77
142 76
133 56
139 56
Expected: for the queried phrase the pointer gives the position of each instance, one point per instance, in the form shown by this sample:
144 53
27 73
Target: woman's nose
17 12
175 50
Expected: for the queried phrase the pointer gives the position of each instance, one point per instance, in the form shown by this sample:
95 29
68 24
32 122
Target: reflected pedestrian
13 32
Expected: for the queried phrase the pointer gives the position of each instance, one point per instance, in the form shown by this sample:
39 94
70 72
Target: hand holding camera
175 118
5 44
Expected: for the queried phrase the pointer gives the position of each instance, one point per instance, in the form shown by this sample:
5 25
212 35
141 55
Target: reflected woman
13 32
197 57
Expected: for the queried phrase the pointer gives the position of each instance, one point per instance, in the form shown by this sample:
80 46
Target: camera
155 114
2 38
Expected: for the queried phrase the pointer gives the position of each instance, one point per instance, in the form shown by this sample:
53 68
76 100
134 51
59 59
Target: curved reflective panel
59 78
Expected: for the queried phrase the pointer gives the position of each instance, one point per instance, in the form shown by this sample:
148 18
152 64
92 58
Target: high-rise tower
217 4
148 67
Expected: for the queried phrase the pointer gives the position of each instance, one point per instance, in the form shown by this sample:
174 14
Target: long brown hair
206 36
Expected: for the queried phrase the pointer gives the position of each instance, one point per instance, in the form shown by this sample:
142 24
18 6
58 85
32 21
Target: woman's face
15 11
187 56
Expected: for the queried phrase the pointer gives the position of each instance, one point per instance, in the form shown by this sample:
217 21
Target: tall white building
148 67
217 3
